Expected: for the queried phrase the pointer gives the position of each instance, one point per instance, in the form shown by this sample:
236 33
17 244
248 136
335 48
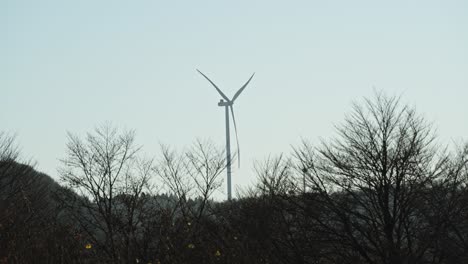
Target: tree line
383 189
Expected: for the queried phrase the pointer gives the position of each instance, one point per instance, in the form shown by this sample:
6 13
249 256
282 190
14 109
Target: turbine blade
237 138
242 88
219 91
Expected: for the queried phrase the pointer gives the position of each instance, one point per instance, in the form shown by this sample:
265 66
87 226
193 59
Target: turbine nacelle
225 103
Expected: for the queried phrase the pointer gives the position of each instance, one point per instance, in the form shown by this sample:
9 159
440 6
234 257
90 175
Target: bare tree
274 176
191 177
374 184
106 172
8 148
8 156
193 174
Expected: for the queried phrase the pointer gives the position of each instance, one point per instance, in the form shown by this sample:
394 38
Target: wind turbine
227 103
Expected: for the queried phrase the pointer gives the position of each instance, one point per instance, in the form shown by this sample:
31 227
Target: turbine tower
228 106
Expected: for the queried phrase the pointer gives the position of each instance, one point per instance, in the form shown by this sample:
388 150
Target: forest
383 189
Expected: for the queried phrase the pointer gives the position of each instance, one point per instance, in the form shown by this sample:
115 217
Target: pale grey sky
72 65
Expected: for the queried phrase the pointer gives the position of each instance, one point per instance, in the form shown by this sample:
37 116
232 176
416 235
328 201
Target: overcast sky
72 65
